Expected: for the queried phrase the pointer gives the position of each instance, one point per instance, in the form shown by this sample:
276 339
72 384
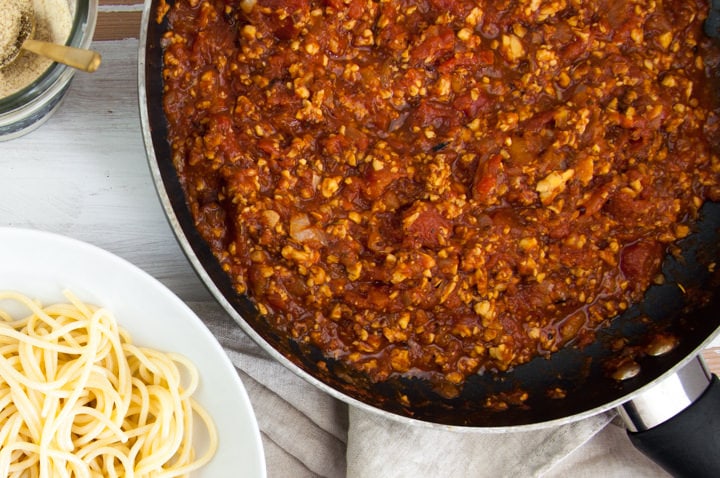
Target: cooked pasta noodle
79 399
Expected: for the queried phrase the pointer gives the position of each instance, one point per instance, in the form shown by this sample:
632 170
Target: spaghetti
78 398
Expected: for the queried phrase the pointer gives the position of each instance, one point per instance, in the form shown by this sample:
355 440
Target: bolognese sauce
440 188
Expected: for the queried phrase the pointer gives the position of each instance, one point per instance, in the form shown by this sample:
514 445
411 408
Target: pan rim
201 270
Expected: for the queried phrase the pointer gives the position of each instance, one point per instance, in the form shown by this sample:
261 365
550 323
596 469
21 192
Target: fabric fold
375 442
308 433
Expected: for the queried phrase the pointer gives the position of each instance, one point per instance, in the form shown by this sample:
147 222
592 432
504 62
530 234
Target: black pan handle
688 444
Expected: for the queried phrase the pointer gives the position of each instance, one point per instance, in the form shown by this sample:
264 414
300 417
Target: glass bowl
28 108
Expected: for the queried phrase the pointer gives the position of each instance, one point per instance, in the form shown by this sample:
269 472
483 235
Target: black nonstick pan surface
572 384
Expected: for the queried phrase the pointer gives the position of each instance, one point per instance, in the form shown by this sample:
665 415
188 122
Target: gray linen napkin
416 451
307 433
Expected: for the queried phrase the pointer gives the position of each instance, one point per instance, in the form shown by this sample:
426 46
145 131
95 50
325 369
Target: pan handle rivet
661 345
626 370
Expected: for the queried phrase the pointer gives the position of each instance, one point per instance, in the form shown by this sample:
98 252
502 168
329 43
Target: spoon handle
85 60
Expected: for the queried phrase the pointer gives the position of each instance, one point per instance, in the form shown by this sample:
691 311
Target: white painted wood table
84 174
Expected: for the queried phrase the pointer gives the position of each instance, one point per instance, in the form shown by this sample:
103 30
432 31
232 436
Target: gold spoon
85 60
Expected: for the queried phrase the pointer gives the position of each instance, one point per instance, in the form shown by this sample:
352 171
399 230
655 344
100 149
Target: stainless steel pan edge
240 308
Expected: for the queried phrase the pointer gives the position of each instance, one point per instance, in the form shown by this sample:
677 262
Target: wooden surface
118 19
84 174
712 357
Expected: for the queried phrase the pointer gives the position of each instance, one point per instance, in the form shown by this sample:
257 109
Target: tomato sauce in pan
441 188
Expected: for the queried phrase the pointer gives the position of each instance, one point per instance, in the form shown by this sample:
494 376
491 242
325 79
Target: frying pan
572 384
